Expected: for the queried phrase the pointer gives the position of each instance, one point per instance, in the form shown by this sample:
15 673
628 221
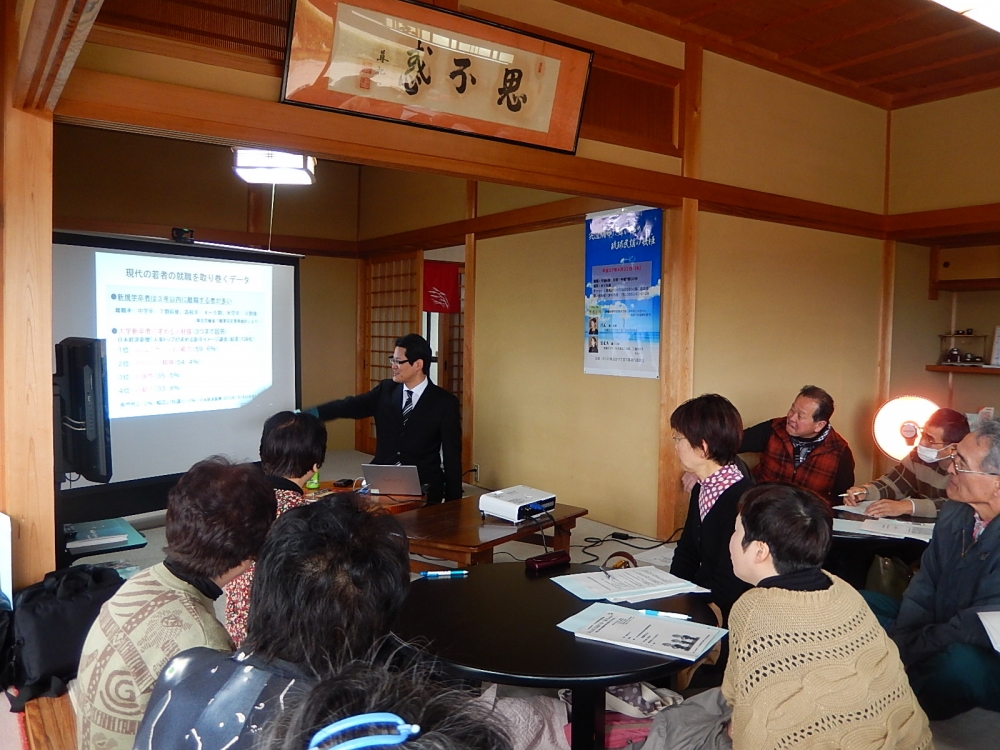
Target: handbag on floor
889 576
51 622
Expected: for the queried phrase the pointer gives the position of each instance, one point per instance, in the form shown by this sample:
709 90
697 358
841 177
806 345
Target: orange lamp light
899 422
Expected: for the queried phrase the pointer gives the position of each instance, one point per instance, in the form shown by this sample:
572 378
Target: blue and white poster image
621 324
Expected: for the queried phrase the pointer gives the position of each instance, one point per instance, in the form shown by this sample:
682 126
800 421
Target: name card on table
418 65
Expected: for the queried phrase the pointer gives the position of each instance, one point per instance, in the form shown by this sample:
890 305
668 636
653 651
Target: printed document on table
626 583
860 508
620 626
899 529
991 622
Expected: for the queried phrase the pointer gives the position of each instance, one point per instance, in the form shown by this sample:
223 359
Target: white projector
515 504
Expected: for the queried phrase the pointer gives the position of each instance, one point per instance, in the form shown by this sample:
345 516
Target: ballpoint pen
444 573
673 615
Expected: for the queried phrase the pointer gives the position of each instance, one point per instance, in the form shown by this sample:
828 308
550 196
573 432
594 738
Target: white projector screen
201 345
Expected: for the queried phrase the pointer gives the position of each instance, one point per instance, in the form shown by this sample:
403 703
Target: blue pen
656 613
444 574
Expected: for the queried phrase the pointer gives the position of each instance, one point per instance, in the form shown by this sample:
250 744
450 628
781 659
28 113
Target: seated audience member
947 652
707 432
292 448
329 582
218 514
447 719
809 664
802 447
918 484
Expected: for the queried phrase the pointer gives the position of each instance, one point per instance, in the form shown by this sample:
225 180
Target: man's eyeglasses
396 362
961 467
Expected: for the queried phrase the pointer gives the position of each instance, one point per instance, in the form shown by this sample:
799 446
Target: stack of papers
885 527
627 585
620 626
991 622
860 508
661 556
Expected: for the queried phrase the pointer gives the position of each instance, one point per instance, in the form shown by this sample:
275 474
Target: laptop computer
385 479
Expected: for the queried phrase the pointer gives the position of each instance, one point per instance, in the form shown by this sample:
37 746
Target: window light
986 12
275 167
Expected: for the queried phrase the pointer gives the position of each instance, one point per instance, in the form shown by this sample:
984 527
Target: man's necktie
407 406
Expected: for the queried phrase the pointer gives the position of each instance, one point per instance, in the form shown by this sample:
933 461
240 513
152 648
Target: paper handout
621 626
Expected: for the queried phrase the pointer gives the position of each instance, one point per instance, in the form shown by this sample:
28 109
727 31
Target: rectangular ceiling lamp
275 167
986 12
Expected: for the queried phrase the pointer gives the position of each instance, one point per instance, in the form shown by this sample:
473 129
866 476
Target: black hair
795 523
449 719
824 402
291 444
329 580
953 424
218 515
416 347
712 420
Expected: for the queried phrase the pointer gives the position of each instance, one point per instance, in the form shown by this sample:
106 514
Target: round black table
499 625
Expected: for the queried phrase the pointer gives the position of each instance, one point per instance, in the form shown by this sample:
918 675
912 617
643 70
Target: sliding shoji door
390 297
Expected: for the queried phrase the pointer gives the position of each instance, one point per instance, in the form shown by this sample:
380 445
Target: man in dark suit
415 421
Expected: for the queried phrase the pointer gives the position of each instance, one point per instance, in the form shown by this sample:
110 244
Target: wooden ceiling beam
707 11
121 103
121 21
793 18
230 11
530 219
923 227
932 66
56 32
968 85
285 243
665 25
889 51
841 36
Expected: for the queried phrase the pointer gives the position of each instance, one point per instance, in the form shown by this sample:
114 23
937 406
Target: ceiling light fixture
259 166
986 12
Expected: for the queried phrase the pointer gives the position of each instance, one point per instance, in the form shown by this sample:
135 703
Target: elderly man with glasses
947 653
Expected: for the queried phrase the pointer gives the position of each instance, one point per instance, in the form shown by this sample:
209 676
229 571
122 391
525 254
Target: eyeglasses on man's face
962 467
397 362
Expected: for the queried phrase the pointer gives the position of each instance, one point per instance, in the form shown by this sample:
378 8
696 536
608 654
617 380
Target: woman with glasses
706 432
917 485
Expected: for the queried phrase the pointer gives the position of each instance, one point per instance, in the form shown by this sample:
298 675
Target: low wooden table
389 503
458 531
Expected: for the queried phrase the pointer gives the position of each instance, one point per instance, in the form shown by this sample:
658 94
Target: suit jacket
433 428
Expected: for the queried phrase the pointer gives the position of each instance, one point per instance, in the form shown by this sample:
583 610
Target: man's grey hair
989 431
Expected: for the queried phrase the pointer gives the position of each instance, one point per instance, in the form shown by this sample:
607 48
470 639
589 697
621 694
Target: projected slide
183 335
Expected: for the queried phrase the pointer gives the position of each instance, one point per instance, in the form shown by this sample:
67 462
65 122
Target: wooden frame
381 64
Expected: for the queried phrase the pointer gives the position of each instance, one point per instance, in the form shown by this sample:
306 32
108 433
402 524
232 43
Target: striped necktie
407 406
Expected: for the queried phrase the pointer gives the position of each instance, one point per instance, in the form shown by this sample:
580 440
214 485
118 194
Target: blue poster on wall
621 324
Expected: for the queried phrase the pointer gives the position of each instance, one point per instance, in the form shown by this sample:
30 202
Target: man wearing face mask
918 484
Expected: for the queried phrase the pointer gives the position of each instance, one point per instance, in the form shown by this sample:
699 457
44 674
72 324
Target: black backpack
51 622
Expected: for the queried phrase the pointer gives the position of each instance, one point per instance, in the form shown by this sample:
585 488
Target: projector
515 504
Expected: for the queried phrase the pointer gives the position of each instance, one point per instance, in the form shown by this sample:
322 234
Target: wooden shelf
964 369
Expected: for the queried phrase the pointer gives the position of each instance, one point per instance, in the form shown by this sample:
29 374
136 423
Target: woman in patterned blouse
292 448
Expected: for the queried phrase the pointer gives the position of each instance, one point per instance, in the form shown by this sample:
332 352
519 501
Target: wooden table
499 624
391 503
457 531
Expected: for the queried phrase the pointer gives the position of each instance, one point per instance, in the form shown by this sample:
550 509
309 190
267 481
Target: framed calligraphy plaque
407 62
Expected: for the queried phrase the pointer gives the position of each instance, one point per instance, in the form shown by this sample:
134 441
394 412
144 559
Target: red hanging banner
441 287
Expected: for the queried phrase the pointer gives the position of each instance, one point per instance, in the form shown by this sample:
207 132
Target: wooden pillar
881 462
26 464
469 334
680 265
